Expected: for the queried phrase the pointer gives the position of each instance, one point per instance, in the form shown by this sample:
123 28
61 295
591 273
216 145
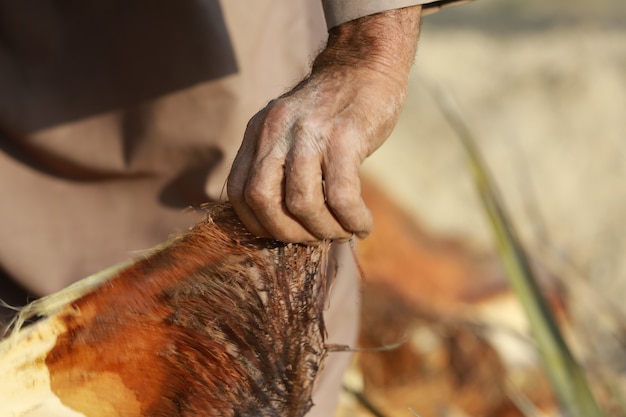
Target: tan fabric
341 11
342 325
116 115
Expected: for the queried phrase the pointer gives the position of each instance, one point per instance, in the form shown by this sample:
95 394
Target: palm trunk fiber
215 323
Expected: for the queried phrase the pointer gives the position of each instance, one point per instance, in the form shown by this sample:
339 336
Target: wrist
384 42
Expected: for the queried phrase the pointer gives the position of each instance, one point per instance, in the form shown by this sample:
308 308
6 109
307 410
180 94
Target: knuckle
278 112
301 206
255 197
340 200
271 117
309 125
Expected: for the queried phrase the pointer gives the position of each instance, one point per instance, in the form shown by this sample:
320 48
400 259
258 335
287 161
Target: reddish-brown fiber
217 323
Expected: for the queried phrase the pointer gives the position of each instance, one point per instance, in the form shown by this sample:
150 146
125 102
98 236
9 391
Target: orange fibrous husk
215 323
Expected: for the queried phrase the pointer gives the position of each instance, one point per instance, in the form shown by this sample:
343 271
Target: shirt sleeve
341 11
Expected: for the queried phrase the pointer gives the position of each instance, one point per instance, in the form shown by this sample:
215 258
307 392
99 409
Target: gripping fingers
264 195
305 200
343 196
237 184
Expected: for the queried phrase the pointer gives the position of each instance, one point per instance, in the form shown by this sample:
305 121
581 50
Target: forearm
384 42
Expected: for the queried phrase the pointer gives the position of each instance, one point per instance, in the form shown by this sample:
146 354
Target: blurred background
542 86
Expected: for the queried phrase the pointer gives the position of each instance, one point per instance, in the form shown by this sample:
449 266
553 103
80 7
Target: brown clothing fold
116 115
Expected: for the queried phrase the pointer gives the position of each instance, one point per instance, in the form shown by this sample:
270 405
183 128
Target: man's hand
296 175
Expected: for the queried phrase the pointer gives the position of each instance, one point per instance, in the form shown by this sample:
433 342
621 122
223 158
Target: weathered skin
296 176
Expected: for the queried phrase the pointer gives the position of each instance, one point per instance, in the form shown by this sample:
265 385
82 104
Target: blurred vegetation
543 87
515 16
568 379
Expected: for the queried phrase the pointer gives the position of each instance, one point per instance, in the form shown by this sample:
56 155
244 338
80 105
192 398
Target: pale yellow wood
51 304
24 378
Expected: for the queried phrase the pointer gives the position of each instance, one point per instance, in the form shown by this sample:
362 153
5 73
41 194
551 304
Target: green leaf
565 374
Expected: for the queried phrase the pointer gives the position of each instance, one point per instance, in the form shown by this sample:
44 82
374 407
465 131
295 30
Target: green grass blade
565 374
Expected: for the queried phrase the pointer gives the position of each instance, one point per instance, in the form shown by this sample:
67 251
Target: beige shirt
341 11
116 116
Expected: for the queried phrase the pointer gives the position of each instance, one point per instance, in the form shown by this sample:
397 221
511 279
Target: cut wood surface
216 323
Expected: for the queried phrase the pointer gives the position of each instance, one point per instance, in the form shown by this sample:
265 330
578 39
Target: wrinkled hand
296 175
